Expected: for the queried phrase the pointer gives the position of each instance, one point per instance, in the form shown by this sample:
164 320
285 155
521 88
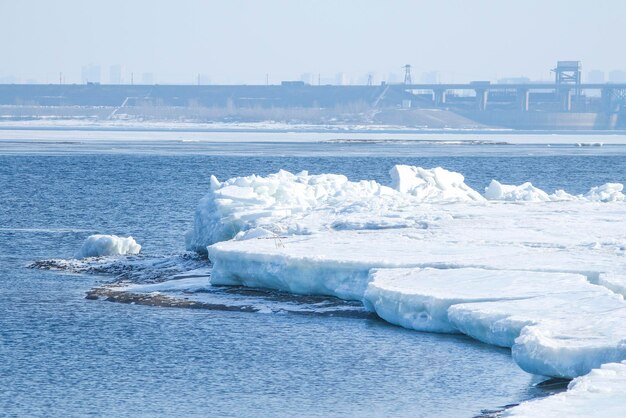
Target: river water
64 355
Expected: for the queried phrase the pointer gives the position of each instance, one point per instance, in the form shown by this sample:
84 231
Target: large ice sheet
580 238
575 237
563 335
290 264
337 263
536 272
566 326
501 322
420 298
599 394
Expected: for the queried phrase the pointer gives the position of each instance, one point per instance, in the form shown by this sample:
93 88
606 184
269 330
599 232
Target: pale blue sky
239 41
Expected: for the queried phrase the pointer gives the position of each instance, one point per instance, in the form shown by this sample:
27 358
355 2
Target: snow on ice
286 203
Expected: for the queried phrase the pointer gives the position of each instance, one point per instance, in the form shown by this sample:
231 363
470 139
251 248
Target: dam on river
564 104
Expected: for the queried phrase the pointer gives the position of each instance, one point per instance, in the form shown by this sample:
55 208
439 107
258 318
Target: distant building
326 80
115 74
91 74
595 76
308 78
617 76
203 80
341 79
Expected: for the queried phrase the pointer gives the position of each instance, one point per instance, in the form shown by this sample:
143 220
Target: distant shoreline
280 128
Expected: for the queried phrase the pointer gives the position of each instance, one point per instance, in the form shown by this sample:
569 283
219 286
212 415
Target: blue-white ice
516 266
107 245
609 192
423 298
558 324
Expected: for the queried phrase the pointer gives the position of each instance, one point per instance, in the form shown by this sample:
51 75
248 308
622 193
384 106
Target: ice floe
105 245
542 274
420 298
557 324
573 343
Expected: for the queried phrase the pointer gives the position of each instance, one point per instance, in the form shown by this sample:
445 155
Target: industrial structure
566 103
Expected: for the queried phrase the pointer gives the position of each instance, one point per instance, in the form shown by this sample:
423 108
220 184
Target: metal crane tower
407 74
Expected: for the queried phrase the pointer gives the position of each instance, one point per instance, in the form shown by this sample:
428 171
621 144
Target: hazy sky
236 41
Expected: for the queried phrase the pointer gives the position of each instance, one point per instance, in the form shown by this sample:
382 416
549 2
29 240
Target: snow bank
435 185
243 203
286 203
609 192
601 393
525 192
103 245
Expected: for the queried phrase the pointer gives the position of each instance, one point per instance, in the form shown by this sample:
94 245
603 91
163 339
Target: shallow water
65 355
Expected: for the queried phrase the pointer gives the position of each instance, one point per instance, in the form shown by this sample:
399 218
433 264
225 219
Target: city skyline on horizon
120 74
246 42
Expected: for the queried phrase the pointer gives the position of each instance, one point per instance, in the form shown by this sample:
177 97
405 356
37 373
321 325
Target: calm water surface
65 355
